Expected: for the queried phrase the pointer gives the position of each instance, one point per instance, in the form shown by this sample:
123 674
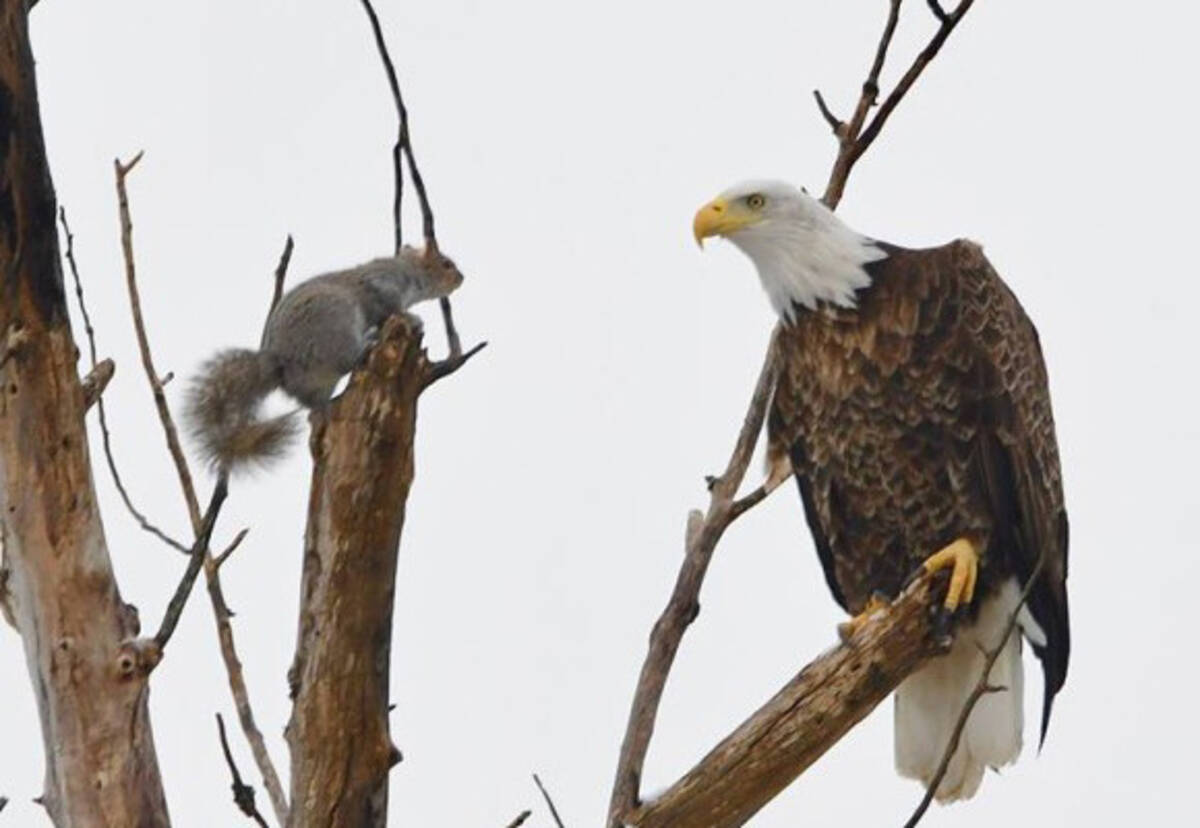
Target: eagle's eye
755 201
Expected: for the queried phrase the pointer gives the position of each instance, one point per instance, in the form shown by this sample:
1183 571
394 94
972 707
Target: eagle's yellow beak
719 218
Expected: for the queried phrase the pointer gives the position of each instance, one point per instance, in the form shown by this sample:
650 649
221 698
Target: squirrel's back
314 336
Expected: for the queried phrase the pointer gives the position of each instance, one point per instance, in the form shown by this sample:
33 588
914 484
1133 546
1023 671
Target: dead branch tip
243 794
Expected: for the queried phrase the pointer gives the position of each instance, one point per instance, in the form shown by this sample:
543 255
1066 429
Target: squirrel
318 332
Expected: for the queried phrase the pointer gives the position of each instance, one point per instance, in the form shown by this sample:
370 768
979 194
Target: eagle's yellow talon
875 604
963 556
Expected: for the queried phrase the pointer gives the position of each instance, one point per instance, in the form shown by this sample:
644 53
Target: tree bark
56 579
362 451
803 720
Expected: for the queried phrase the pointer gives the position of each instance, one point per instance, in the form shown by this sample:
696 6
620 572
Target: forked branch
857 136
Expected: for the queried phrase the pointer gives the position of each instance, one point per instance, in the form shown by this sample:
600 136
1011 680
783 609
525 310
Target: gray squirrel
318 333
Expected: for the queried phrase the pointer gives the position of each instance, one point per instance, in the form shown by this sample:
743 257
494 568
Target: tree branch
139 325
435 371
856 139
805 718
835 124
229 550
175 608
701 536
105 436
221 613
243 794
549 802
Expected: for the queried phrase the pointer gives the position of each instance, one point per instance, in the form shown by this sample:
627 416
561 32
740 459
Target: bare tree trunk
56 579
363 467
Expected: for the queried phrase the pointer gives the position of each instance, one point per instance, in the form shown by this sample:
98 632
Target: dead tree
828 697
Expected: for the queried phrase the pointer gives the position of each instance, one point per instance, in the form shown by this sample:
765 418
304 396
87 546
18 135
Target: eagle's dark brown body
921 416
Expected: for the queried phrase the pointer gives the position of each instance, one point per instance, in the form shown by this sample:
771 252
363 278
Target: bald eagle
912 409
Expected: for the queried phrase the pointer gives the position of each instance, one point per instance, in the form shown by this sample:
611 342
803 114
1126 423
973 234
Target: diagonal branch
175 608
221 613
243 794
805 718
139 324
549 802
910 77
703 532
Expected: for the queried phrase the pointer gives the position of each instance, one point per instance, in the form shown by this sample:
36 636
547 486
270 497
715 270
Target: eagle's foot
877 603
964 558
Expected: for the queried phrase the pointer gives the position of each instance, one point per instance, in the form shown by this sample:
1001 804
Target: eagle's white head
803 252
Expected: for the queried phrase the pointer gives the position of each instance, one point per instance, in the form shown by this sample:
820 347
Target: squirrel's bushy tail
221 410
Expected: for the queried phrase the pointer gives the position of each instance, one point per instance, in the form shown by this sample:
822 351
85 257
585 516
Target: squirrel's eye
756 201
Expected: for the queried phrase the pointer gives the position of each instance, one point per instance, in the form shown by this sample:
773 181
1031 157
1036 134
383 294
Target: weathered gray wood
89 681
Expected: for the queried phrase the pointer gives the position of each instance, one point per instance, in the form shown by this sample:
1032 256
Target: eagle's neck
804 262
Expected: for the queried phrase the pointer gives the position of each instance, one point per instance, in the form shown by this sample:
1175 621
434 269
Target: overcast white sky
566 146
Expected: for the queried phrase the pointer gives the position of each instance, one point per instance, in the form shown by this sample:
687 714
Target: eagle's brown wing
920 416
1019 454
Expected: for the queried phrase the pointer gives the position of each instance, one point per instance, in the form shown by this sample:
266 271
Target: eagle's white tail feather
929 702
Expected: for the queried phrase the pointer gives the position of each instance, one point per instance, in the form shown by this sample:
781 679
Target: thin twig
870 87
549 802
938 11
281 272
857 138
403 149
909 78
520 820
221 613
445 367
982 687
229 550
243 794
105 437
184 589
835 123
139 324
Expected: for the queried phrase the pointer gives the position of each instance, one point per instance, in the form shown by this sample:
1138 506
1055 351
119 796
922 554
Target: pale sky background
566 146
